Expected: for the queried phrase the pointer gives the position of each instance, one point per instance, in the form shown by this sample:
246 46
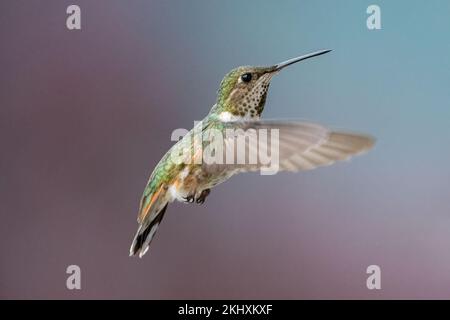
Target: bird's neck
228 115
229 111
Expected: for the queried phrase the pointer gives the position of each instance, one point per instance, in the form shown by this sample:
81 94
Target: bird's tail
146 232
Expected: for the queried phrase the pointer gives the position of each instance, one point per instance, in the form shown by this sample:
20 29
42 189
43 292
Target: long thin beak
284 64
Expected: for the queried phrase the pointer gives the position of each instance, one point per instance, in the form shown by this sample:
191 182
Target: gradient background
85 116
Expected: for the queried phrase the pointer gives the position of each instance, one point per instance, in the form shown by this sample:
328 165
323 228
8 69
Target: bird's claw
203 195
189 199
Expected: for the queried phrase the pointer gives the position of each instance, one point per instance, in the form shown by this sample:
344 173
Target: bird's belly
191 181
186 183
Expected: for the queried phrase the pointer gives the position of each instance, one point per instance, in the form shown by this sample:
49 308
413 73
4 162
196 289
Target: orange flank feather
146 209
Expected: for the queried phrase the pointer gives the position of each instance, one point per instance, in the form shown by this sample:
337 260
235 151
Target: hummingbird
240 102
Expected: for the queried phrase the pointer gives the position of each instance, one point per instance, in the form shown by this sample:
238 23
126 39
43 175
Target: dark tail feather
145 234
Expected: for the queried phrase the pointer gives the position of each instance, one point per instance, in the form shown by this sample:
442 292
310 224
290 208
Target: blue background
86 115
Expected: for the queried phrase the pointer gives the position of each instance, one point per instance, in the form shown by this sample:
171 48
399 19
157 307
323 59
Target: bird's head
242 93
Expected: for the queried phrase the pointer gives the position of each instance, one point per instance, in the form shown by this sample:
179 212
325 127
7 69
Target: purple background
85 116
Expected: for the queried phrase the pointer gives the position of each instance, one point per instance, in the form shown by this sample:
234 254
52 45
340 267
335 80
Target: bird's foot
189 199
203 196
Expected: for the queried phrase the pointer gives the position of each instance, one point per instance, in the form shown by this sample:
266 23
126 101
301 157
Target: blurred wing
301 145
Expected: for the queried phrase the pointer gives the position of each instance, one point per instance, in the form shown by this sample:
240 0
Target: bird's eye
246 77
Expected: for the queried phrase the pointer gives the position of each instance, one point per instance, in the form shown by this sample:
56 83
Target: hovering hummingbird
240 103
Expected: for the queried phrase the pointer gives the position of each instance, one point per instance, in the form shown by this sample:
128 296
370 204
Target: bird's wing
296 145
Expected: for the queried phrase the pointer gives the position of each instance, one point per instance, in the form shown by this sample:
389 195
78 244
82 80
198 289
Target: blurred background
86 115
